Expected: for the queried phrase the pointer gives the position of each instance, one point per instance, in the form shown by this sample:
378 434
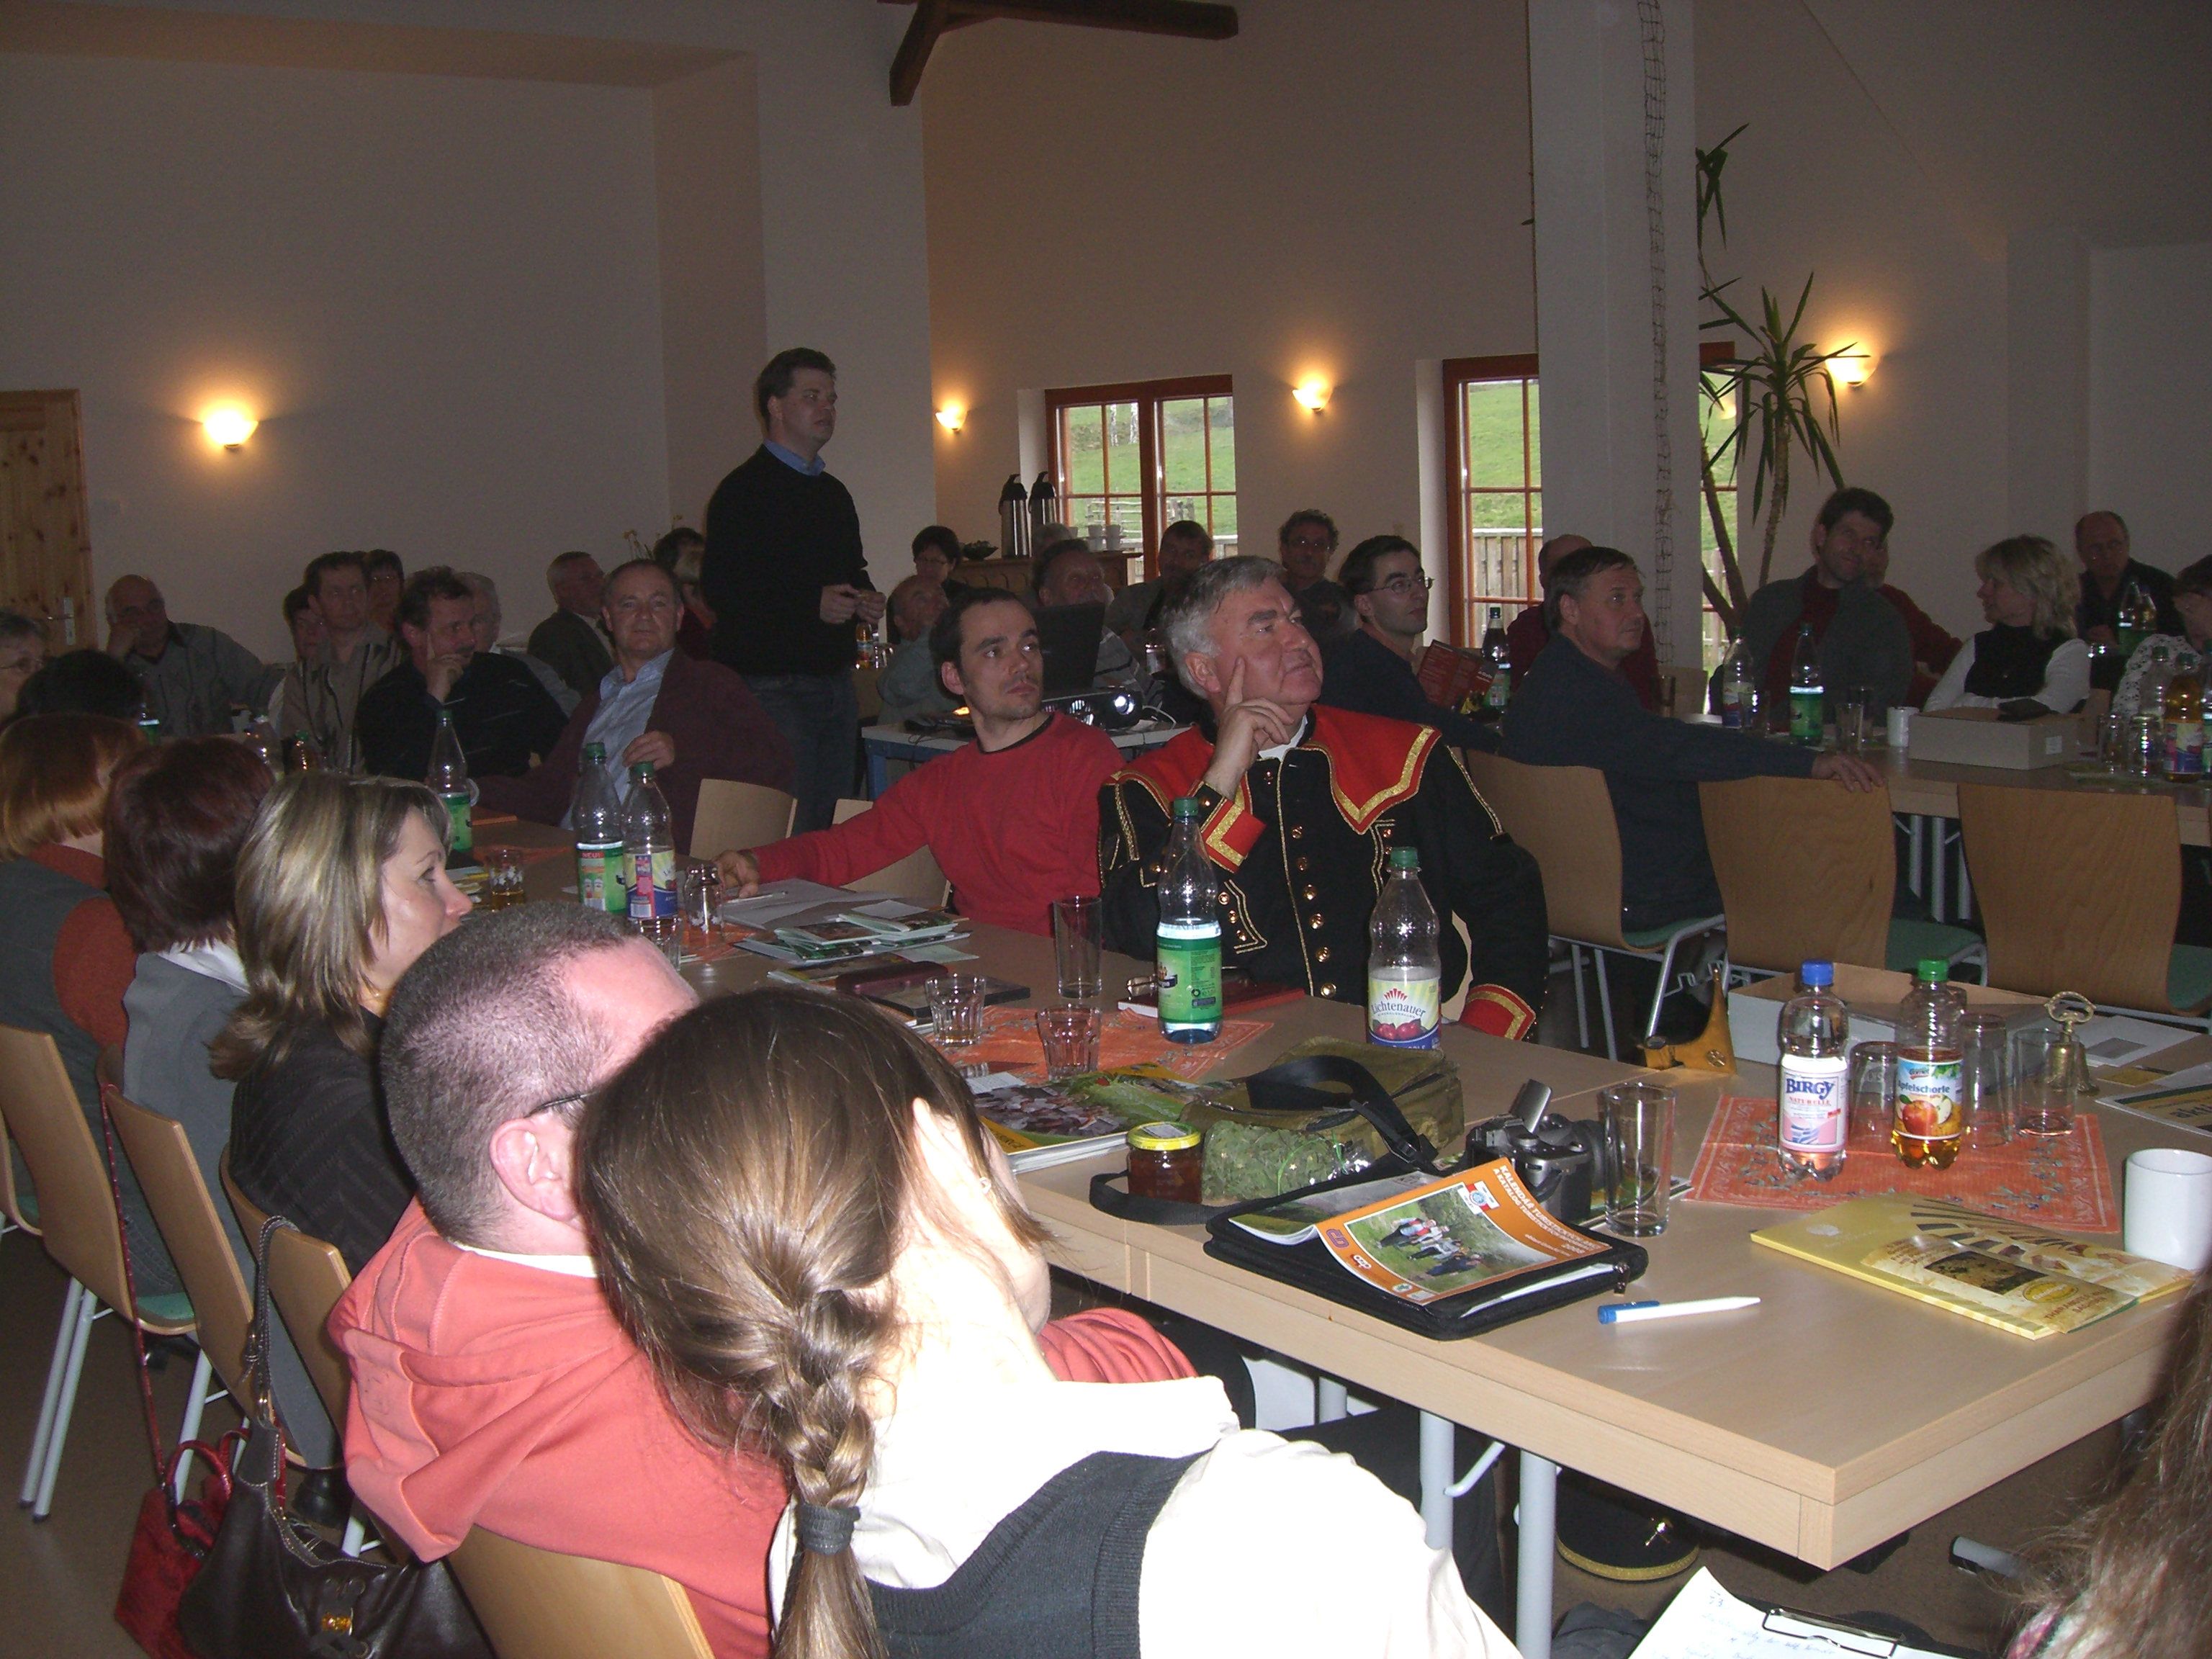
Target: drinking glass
502 877
1070 1035
955 1007
1852 708
2140 746
2048 1078
1873 1084
1637 1122
2111 739
699 892
1985 1080
1667 690
1075 947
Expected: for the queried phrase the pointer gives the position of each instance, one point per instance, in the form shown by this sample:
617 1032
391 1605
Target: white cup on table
2168 1215
1900 729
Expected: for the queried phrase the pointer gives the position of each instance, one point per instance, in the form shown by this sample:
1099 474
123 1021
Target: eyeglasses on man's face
1401 585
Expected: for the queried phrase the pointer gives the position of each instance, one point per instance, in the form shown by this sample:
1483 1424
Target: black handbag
272 1587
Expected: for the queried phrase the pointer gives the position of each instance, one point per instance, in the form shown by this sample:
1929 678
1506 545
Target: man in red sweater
1012 817
492 1386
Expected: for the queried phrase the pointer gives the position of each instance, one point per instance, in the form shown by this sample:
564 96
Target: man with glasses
1371 669
1863 640
1304 547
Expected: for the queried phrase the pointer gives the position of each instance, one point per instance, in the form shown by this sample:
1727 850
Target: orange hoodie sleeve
95 962
1111 1345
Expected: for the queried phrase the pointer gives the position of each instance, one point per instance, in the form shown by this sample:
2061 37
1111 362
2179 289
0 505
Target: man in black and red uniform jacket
1303 805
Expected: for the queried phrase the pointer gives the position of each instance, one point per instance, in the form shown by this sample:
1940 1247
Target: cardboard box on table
1874 993
1976 737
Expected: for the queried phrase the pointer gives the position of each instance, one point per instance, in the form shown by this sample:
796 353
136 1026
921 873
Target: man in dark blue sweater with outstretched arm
787 579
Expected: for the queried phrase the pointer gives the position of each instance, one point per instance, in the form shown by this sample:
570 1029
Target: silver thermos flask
1013 520
1044 509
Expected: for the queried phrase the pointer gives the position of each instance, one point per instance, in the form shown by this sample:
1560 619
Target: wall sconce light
1312 393
1852 368
952 418
229 426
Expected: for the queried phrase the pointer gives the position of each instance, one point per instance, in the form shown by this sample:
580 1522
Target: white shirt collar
571 1266
1297 737
218 961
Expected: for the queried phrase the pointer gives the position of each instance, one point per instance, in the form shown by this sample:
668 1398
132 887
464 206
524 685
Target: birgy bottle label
652 888
1190 974
1403 1010
1812 1118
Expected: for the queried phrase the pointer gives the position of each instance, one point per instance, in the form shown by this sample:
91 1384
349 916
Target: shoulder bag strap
1294 1086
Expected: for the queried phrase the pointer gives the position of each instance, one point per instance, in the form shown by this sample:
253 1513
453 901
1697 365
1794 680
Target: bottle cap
1163 1138
595 752
1405 857
642 771
1187 809
1817 973
1933 970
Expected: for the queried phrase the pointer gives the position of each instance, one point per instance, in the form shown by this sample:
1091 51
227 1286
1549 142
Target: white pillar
1612 126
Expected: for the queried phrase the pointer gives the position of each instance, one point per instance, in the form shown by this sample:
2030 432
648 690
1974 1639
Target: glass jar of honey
1165 1162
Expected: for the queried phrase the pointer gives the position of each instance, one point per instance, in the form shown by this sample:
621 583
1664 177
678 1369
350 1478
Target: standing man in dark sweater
785 579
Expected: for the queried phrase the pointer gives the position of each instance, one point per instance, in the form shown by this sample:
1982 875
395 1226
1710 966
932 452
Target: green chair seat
171 1308
2189 977
1912 942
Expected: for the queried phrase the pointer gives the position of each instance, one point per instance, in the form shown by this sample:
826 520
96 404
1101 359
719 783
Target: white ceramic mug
2169 1207
1900 728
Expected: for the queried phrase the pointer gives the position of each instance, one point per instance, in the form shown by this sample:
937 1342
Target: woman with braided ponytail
797 1216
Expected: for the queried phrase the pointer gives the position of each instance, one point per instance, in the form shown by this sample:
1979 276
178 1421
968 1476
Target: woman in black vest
2028 650
797 1213
341 886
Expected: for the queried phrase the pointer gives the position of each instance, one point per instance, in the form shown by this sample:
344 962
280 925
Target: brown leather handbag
273 1587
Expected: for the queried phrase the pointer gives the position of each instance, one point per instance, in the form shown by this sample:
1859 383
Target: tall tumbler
1637 1122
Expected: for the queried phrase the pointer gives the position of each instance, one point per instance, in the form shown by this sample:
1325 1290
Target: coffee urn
1013 520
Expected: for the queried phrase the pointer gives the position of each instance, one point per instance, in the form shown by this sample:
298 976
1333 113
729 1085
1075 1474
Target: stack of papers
1704 1621
800 921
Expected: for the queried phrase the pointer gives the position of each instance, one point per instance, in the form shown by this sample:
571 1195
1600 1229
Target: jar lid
1163 1138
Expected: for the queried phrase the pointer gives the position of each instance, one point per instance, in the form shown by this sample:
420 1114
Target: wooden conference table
1820 1423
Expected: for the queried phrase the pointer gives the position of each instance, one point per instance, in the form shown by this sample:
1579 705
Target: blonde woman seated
797 1216
341 886
2028 650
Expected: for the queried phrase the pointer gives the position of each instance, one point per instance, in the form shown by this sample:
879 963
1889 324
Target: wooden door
45 553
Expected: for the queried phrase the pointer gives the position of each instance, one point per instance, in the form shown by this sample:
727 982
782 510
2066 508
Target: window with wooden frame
1494 500
1145 453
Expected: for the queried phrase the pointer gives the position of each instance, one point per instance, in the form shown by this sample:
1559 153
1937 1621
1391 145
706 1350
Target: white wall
2150 424
444 289
460 363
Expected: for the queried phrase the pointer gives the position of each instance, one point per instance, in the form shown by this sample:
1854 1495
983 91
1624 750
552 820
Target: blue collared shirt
792 458
619 721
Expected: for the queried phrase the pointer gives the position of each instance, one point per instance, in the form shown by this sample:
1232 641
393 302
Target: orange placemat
2061 1181
1010 1044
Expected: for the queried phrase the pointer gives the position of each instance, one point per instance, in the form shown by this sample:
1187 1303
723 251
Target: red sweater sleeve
894 826
1111 1345
95 962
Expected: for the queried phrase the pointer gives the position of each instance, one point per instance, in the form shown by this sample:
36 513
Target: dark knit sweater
308 1142
776 538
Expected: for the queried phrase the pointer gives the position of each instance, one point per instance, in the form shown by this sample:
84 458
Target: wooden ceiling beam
1189 19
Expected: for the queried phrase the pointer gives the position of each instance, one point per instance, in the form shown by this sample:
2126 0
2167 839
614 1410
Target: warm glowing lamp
1852 368
1312 393
229 426
952 418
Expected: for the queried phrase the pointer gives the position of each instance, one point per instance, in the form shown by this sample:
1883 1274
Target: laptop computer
1069 636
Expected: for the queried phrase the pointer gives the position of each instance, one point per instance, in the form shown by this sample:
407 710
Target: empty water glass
2049 1077
1075 947
1851 710
1873 1084
1637 1120
1985 1080
699 894
1070 1037
956 1009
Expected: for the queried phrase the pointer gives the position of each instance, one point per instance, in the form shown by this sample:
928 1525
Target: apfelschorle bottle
1930 1125
1189 938
1812 1109
1405 970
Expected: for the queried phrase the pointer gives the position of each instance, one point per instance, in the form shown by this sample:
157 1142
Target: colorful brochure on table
2007 1273
2183 1101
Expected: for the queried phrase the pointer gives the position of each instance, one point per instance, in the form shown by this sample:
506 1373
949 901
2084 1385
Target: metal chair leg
37 1465
88 1310
1605 1006
1582 999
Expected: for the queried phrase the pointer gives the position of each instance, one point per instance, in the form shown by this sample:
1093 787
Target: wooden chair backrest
732 816
161 1154
77 1206
1562 817
1808 870
917 877
301 1284
538 1604
2079 890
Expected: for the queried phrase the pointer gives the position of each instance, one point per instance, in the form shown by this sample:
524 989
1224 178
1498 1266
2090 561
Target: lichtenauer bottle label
463 839
1403 1010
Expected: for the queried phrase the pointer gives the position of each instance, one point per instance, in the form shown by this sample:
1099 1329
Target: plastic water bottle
649 842
1931 1120
2184 724
1500 657
1735 688
596 818
449 781
1405 971
1189 934
1813 1111
1807 695
2135 619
